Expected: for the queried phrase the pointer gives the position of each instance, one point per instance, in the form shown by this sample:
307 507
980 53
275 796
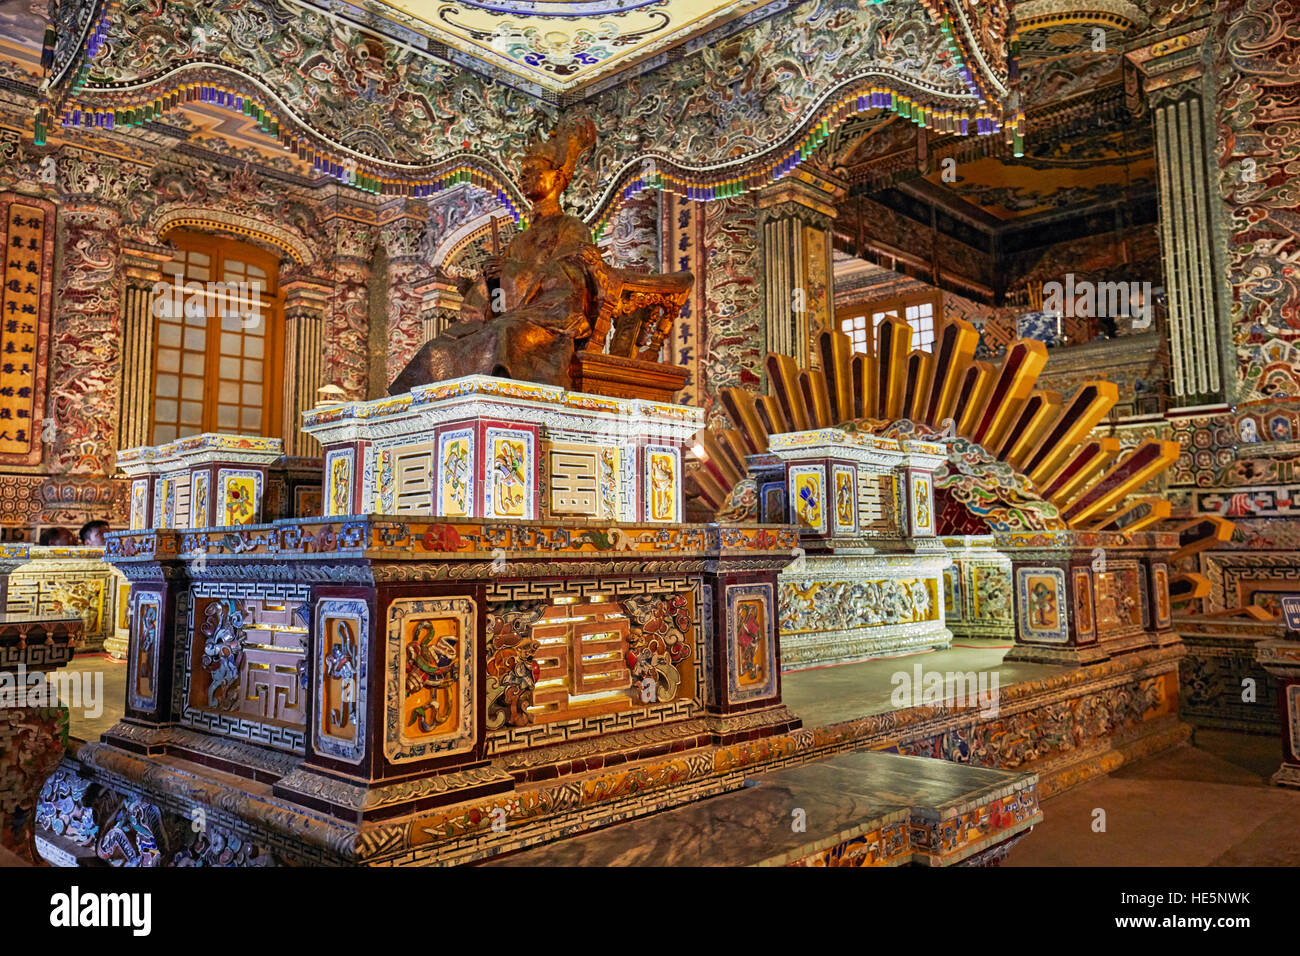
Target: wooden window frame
219 248
898 304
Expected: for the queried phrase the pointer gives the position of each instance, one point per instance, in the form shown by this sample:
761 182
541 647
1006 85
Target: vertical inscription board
24 325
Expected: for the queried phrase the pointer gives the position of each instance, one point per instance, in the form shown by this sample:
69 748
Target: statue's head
549 163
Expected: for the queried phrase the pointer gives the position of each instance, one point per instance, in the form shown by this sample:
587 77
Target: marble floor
1207 803
103 695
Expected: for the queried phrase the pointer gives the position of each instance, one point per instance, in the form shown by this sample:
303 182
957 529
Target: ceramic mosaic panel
414 473
340 476
1083 622
455 484
142 681
554 662
953 607
922 506
164 502
1039 593
239 496
342 649
429 689
307 502
510 466
648 665
807 486
1160 574
199 500
583 481
1042 326
846 498
988 592
771 498
662 485
139 504
837 605
65 585
751 642
385 500
1119 599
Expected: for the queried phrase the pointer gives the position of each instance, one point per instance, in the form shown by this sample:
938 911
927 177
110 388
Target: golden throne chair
635 312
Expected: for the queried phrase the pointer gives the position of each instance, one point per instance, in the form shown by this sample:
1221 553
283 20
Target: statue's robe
548 301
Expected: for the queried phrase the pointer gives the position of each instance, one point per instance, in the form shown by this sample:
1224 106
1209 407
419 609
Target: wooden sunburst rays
1035 431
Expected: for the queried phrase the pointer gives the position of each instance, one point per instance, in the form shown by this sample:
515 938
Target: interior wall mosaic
1255 59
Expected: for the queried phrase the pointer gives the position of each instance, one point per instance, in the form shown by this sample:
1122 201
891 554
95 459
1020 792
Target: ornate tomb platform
867 579
494 448
359 670
214 480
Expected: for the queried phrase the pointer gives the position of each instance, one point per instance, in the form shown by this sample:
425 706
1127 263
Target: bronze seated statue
551 310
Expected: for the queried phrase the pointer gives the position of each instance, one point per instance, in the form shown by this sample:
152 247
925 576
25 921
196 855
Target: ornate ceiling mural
568 46
21 28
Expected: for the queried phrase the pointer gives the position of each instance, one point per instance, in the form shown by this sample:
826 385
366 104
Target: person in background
92 533
56 538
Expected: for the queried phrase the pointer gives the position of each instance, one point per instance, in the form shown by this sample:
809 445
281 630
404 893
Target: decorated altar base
41 580
1054 727
411 688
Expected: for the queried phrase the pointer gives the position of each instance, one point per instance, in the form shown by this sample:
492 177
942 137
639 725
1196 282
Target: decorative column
1181 98
795 216
305 304
85 362
142 271
348 320
402 240
440 303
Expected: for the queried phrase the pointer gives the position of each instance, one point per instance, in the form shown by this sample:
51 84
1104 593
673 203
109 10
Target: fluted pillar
796 215
440 303
1181 98
142 271
305 306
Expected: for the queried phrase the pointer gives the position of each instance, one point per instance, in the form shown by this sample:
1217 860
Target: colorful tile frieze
751 640
145 649
340 478
239 496
549 663
380 537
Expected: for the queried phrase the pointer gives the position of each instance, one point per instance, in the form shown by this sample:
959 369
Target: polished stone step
867 808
